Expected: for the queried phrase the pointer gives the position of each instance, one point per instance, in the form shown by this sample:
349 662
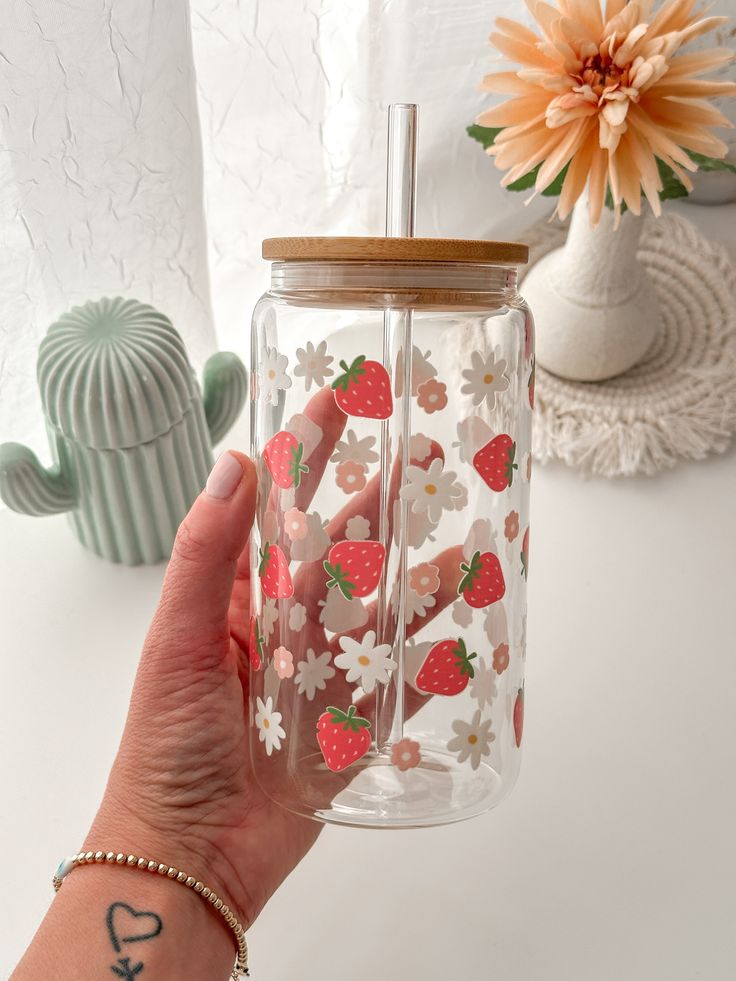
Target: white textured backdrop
101 155
121 121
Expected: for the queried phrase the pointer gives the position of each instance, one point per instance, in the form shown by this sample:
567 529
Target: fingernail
224 477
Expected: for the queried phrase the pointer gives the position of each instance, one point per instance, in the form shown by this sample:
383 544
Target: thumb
192 612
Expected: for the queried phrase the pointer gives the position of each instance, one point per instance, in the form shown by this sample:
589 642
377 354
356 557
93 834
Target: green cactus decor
131 434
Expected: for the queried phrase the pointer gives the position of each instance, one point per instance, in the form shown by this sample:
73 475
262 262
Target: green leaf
672 186
610 204
710 163
484 134
525 182
554 189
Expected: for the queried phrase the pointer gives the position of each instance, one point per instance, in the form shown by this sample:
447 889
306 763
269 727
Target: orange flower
501 658
350 476
608 94
432 396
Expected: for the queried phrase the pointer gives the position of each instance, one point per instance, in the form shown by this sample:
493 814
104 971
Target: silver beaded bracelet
150 865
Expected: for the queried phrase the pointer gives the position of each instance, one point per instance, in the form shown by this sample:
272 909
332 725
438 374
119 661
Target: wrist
111 919
119 830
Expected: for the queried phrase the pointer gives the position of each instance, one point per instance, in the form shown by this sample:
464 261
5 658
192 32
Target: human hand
182 787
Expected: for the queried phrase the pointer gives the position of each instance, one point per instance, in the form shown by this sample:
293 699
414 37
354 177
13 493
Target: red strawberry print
283 455
483 582
531 383
255 646
364 389
274 572
495 462
343 737
354 567
447 669
519 715
525 554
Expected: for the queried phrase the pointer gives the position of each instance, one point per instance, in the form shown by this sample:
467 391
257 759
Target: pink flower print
432 396
424 579
511 525
350 476
405 754
283 662
295 524
501 658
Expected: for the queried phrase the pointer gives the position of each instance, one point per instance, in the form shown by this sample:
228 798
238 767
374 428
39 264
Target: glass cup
392 396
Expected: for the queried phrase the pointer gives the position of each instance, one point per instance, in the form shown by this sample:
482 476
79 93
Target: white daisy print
314 364
462 614
483 686
365 662
485 379
357 528
472 740
269 617
272 374
472 433
268 723
432 491
354 450
420 446
297 617
313 674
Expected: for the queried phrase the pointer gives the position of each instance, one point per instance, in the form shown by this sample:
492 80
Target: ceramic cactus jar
131 433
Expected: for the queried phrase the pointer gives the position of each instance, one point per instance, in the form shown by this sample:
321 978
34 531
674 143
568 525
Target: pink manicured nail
224 477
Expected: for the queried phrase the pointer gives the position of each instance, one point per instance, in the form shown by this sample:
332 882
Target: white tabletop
614 858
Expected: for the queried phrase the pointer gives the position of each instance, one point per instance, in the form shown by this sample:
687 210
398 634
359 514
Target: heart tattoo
127 926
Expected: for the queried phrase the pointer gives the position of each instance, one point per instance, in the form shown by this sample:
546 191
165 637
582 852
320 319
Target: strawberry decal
274 573
354 567
283 455
483 582
255 645
495 462
447 669
525 554
343 737
531 383
364 389
519 716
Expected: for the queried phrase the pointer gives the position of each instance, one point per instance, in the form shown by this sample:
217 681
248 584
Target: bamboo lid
379 249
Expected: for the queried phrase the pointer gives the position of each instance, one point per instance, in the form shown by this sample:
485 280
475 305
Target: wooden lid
375 249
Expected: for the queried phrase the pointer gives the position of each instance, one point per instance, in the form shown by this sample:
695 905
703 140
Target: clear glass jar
391 543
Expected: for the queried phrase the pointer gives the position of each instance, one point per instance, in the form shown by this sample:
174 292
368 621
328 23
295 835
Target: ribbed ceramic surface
114 373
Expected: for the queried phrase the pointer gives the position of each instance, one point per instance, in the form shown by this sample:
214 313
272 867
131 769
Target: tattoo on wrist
127 926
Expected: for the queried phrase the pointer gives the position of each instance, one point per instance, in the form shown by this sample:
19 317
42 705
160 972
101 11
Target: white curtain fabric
124 122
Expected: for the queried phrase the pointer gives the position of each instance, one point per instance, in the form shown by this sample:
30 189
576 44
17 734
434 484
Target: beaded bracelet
149 865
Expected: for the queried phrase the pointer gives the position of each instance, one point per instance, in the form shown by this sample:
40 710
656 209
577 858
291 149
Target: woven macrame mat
680 402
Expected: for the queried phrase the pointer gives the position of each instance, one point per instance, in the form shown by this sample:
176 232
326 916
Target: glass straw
400 212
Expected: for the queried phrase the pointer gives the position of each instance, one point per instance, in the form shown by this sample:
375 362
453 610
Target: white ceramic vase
595 307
